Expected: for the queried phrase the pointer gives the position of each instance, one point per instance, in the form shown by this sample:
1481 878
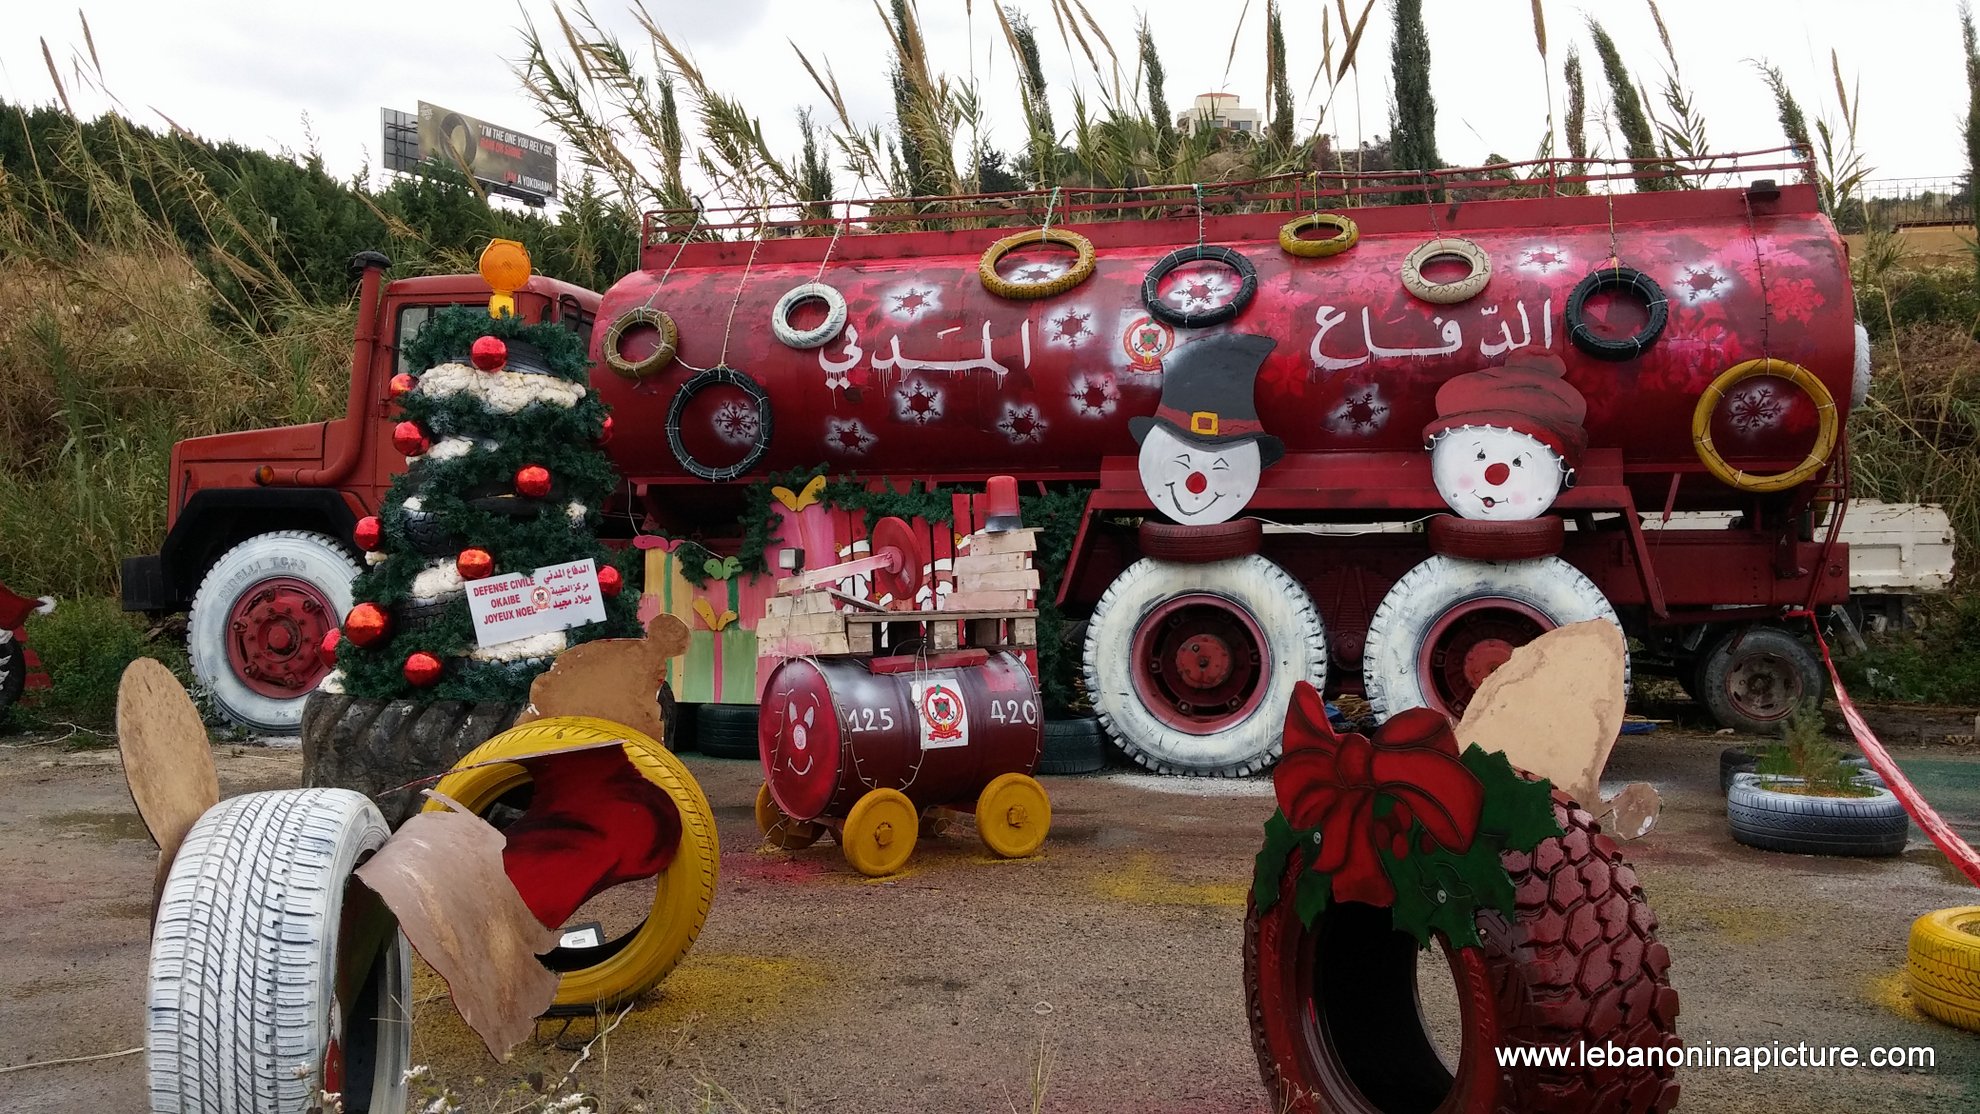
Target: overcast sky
251 72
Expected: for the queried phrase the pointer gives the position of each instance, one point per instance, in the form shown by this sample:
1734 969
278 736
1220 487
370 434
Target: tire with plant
1755 678
1768 813
1942 966
376 746
1336 1023
258 620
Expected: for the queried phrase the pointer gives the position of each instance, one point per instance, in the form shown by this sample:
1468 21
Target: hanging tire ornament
719 376
1215 315
1448 623
662 354
819 335
1346 234
1825 429
1046 286
1618 278
1446 293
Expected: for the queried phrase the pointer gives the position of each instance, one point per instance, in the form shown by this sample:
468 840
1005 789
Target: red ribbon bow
1331 782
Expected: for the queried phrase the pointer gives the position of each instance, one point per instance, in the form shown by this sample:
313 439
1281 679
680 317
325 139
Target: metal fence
1905 202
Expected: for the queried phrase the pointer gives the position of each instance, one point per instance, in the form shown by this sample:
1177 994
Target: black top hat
1207 387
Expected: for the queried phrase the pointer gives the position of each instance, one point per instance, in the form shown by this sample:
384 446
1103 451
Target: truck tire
258 621
13 671
376 746
1447 624
1469 539
727 731
1191 667
1805 825
1199 545
1335 1019
1075 745
1756 677
247 954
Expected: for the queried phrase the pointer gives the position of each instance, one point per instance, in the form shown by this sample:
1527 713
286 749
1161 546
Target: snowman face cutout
1194 484
1485 472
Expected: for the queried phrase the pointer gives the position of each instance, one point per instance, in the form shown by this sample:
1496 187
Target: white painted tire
824 331
1859 377
1295 649
1392 654
1446 293
244 963
316 559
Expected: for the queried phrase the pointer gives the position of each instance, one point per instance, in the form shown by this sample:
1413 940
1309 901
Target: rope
1615 255
1051 203
685 240
71 1060
844 223
1198 187
729 327
1760 272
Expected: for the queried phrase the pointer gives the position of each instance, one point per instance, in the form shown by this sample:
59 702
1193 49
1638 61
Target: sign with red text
518 605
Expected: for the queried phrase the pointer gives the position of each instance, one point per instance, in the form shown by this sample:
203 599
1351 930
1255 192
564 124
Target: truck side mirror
365 260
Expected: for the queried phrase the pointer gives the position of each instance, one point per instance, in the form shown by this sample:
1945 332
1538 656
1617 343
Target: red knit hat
1529 395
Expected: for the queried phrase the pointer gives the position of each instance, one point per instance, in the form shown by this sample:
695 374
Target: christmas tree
505 474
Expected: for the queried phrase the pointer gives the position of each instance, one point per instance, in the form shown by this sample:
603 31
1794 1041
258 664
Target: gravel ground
1102 975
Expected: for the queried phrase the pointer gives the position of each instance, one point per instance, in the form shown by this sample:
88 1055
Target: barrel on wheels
866 747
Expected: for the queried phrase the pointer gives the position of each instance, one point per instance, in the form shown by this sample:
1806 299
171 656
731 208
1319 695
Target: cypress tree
1282 101
1577 118
1970 130
1413 116
1158 101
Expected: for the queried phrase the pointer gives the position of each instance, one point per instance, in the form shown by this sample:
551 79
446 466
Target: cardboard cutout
614 679
166 759
1506 439
1203 450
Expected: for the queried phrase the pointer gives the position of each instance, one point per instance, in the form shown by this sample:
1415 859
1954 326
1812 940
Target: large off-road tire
13 670
1447 624
260 923
1943 966
1808 825
376 746
1191 667
615 971
1755 678
258 621
1335 1017
727 731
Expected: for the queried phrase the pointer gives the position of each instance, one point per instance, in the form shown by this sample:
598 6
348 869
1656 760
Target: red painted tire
1337 1027
1484 540
1200 545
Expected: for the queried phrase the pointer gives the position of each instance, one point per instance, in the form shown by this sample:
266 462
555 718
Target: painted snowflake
1543 260
1022 425
1361 413
1796 298
918 402
1756 408
1199 290
1069 327
1702 282
738 423
913 301
1094 396
847 436
1032 274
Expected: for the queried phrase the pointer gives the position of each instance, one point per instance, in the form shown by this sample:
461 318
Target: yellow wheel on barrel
1012 815
778 829
879 832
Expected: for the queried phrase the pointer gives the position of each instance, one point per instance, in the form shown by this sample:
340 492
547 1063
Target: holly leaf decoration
1310 897
1439 891
1271 867
1518 814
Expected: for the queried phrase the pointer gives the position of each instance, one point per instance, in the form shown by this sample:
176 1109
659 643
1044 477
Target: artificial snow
332 682
504 392
547 644
441 578
451 447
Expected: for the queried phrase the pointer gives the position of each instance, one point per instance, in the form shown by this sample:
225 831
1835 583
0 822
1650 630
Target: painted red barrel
833 729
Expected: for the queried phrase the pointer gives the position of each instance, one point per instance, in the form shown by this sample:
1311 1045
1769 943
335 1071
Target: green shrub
84 646
1939 663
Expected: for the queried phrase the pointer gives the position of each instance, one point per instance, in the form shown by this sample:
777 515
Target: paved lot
1102 975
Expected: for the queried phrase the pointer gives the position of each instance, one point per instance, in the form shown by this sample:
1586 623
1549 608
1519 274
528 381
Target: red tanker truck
1691 350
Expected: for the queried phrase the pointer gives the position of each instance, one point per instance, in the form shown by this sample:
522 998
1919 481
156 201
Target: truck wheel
1756 677
274 975
376 746
1335 1017
1190 667
1447 624
258 621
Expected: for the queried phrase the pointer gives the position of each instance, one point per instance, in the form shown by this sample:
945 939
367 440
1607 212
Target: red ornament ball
605 433
368 533
422 669
533 480
328 650
410 439
489 354
474 564
366 624
609 580
402 384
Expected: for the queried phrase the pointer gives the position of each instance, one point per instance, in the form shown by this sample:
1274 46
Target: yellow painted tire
1013 815
670 337
1082 268
1447 293
1346 233
682 892
1825 431
1943 966
879 832
778 829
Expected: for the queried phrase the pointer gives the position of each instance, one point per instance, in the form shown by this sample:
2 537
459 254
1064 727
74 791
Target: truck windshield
411 320
566 311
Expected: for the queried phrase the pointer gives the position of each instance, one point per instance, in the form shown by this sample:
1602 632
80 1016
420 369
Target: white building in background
1221 110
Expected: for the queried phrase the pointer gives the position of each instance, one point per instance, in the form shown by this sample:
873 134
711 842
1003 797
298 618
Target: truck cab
259 545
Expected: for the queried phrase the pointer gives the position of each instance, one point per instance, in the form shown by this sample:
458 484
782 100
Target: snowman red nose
1196 483
1497 474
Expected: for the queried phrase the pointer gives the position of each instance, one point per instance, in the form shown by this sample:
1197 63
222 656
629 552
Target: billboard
506 161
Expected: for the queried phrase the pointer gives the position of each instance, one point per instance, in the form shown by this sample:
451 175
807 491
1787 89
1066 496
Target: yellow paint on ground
1146 881
1891 991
